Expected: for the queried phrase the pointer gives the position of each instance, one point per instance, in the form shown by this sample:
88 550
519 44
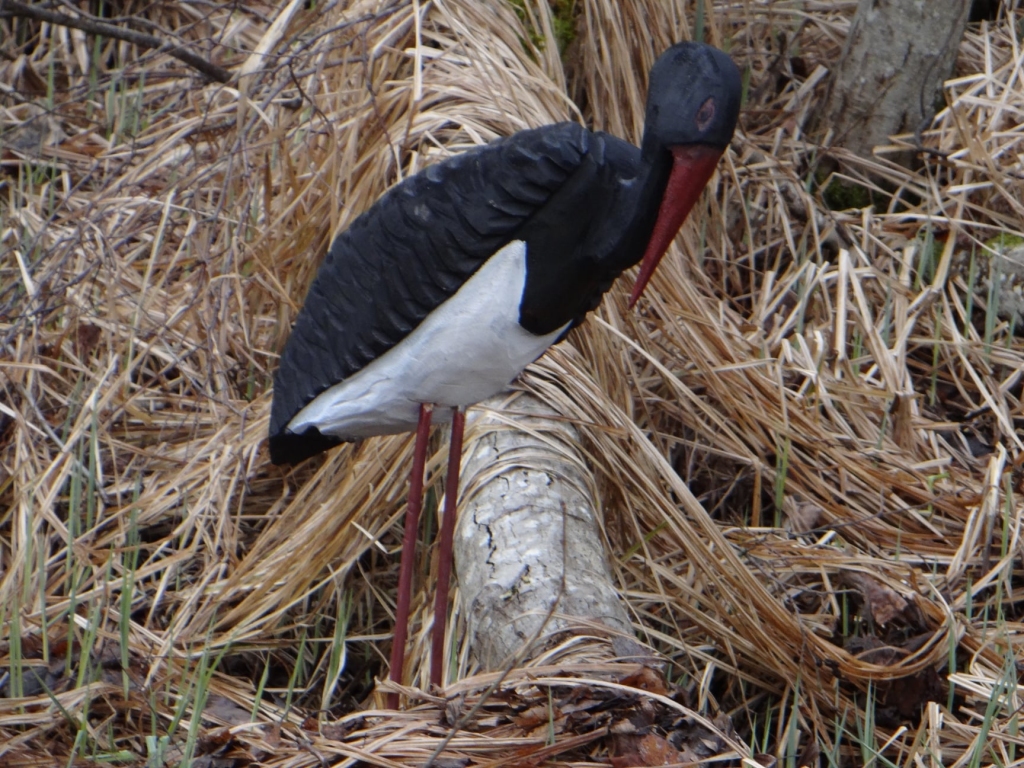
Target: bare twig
13 9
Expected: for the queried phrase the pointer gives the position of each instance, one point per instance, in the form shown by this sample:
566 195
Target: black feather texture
585 205
409 253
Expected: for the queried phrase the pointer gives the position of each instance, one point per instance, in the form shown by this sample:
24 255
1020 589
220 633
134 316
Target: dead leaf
273 735
87 338
648 750
884 603
623 727
215 741
695 741
909 695
655 750
873 650
226 711
634 717
534 716
338 731
803 517
451 762
809 755
646 679
207 761
902 412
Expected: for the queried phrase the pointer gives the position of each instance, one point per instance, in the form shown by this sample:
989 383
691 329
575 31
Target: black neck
656 166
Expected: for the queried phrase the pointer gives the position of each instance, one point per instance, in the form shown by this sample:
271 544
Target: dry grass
806 437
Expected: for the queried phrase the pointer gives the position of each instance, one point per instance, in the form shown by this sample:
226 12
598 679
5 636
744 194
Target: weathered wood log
529 553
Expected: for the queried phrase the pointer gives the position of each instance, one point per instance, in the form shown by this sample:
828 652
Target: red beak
692 166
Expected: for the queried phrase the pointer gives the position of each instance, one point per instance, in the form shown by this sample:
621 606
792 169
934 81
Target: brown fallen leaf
874 650
646 679
910 695
803 517
207 761
634 716
808 757
655 750
87 338
338 731
214 741
902 412
884 603
650 749
534 716
226 711
451 762
692 737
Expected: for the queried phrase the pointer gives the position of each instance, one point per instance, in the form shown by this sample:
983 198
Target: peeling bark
897 54
529 554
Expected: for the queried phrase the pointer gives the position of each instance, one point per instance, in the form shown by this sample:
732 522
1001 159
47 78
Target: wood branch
13 9
529 554
897 54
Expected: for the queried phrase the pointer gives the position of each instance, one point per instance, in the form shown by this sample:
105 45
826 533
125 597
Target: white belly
466 350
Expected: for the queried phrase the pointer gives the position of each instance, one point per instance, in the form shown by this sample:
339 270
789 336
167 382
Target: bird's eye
705 114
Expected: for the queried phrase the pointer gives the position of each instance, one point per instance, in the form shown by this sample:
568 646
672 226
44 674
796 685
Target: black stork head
693 102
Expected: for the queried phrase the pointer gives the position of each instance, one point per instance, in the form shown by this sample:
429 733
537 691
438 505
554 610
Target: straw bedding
805 438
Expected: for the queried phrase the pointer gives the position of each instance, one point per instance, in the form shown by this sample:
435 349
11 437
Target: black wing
406 255
588 232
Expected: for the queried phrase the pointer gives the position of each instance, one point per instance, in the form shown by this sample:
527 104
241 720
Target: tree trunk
897 55
529 554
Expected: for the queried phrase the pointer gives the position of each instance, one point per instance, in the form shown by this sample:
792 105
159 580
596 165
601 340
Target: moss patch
564 18
1004 241
842 195
563 21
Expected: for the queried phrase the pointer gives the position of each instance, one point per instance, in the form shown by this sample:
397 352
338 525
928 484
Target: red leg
412 524
444 552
